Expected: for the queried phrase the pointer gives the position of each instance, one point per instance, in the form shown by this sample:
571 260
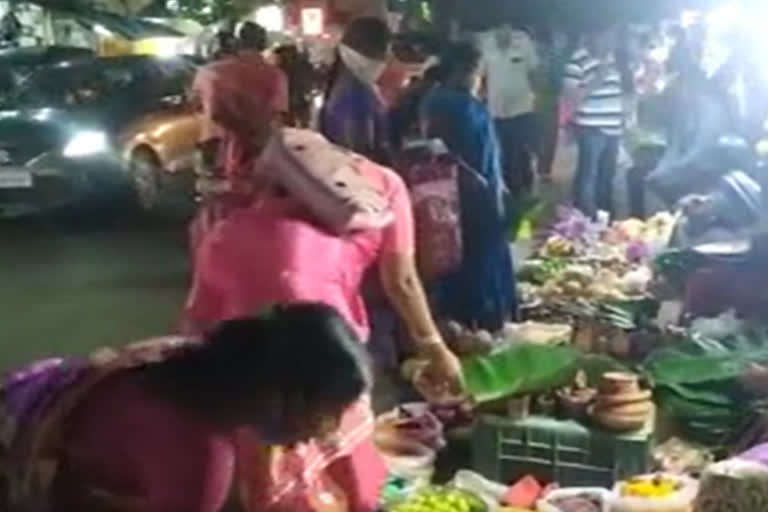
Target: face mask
364 68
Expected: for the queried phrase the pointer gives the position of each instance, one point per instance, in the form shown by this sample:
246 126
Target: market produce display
656 486
578 258
441 499
655 493
467 342
601 346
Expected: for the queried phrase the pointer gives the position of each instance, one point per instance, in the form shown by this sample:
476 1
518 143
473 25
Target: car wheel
146 172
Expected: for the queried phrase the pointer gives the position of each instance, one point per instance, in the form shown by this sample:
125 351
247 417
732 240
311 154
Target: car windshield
66 87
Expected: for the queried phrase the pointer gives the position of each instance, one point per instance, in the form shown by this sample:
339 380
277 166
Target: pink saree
239 98
271 252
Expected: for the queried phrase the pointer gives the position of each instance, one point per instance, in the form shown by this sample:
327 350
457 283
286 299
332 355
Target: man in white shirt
510 58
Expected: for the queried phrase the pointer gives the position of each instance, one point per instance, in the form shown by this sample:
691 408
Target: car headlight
86 143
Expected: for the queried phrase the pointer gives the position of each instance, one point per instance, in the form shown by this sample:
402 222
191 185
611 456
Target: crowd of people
272 410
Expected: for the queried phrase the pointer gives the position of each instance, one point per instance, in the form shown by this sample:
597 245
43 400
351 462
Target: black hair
459 60
301 352
433 74
252 36
369 36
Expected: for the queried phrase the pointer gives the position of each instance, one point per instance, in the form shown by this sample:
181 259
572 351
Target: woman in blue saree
482 292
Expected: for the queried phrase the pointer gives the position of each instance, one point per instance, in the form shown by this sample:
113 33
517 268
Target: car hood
26 134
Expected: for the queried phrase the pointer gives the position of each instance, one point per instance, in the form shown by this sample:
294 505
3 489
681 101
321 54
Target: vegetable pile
441 499
658 486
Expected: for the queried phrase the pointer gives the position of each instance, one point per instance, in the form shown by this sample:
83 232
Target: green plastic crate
565 452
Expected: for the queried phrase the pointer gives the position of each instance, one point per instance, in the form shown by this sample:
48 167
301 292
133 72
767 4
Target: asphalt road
70 287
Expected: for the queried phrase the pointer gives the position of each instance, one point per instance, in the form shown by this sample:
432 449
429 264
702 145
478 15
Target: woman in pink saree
275 251
241 97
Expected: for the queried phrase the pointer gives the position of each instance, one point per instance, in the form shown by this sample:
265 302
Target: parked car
80 133
17 63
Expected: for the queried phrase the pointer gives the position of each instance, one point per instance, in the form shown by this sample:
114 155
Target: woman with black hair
153 427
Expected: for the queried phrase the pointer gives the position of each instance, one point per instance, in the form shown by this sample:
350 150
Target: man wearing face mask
354 114
510 58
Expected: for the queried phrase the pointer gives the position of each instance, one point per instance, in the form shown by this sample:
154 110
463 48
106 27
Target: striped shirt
603 106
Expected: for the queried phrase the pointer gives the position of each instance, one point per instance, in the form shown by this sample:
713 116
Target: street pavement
67 288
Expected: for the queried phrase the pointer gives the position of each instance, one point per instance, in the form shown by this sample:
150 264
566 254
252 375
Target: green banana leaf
519 369
697 383
698 359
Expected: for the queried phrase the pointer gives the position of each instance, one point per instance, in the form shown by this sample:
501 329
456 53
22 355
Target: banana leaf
697 383
700 360
519 369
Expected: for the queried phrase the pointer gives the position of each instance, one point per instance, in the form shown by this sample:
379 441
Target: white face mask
364 68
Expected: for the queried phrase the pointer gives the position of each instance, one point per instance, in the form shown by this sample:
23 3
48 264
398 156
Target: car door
171 126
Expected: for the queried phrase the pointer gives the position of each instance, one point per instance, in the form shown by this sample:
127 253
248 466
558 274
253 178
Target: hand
755 379
441 379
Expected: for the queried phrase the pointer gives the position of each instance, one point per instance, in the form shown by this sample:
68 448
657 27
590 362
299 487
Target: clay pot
621 405
620 422
632 409
618 383
643 396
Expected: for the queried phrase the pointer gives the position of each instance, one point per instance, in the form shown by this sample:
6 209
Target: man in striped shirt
594 88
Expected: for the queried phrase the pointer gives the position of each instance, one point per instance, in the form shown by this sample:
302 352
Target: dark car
68 135
17 63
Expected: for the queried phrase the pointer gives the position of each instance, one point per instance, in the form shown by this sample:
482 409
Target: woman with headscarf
482 292
242 98
275 250
353 114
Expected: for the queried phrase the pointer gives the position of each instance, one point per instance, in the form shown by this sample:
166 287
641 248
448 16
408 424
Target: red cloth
133 444
240 97
392 81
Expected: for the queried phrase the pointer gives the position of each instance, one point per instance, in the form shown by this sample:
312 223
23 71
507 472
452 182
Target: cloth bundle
326 179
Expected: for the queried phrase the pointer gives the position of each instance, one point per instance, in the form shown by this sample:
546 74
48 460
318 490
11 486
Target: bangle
428 344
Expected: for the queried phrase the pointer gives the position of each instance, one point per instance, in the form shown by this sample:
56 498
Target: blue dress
353 117
482 293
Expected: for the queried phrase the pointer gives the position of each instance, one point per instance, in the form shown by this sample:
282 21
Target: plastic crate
565 452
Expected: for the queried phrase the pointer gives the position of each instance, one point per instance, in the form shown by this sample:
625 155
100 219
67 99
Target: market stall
607 397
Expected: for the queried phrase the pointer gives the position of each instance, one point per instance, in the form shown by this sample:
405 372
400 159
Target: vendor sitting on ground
151 428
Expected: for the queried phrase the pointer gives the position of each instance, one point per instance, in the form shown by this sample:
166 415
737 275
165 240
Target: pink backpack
326 179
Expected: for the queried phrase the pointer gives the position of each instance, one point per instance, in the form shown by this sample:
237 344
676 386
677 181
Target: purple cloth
758 454
28 391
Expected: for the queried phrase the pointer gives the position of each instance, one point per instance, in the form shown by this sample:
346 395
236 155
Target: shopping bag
433 180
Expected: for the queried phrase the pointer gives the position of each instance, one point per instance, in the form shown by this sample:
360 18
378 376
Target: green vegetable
440 499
